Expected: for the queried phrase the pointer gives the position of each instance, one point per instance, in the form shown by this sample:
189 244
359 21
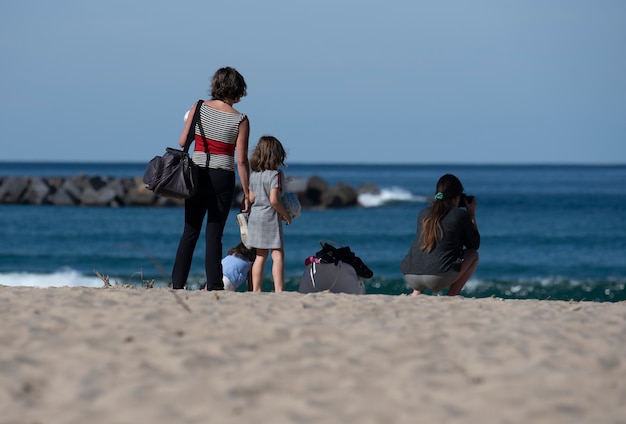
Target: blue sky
399 81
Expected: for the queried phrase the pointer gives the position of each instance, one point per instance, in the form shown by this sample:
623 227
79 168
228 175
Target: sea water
548 232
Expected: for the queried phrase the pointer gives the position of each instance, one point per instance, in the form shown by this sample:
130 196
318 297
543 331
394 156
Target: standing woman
221 130
444 253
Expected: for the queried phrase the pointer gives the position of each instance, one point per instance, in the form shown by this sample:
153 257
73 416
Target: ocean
548 231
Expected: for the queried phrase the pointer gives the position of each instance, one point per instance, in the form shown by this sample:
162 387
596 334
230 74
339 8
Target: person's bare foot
415 293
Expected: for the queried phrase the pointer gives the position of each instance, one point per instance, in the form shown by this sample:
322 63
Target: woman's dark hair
448 187
268 154
228 84
243 252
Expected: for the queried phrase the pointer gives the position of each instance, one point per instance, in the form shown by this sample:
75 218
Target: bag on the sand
334 268
335 278
174 174
331 254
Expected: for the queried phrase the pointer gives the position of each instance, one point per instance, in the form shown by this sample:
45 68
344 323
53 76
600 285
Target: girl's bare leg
278 269
470 262
257 269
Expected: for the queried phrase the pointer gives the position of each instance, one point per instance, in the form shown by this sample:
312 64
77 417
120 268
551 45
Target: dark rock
79 181
37 192
97 182
93 197
73 187
129 184
55 183
89 197
116 191
139 195
339 196
63 197
13 188
315 188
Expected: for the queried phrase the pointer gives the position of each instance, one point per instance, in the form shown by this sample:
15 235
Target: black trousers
214 198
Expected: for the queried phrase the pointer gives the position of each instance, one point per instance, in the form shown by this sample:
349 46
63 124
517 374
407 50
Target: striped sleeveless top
216 136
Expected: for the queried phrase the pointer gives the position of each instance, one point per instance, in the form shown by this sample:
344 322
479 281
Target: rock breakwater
84 190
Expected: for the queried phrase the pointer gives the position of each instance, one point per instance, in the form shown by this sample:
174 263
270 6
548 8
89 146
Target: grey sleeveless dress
265 229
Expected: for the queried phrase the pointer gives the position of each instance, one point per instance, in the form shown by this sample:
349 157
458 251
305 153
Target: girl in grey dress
265 228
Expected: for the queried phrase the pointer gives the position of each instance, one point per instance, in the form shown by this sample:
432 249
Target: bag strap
191 134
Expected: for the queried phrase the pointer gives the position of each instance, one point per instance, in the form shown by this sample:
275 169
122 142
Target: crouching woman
444 253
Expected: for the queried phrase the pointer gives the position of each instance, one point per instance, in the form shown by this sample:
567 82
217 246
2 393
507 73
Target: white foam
62 278
388 195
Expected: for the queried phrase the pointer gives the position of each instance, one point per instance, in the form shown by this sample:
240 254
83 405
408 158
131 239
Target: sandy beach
122 355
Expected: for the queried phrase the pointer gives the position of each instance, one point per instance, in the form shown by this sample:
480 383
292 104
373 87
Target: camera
465 200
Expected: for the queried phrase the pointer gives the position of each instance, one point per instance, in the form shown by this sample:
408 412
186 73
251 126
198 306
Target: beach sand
124 355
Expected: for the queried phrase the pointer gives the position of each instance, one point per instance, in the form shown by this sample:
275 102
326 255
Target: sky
337 81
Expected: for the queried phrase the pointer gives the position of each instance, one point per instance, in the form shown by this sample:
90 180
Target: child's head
243 252
268 154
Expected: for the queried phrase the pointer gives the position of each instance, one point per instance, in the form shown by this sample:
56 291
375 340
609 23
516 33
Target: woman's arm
243 165
182 140
472 235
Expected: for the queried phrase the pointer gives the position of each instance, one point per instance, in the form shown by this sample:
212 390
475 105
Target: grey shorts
434 283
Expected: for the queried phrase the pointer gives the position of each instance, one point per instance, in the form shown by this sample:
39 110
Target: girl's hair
268 154
243 252
448 187
228 84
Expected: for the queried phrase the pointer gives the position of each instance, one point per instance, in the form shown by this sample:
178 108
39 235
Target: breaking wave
389 195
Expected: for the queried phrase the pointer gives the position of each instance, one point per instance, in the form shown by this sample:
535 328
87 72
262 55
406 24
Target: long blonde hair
448 187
